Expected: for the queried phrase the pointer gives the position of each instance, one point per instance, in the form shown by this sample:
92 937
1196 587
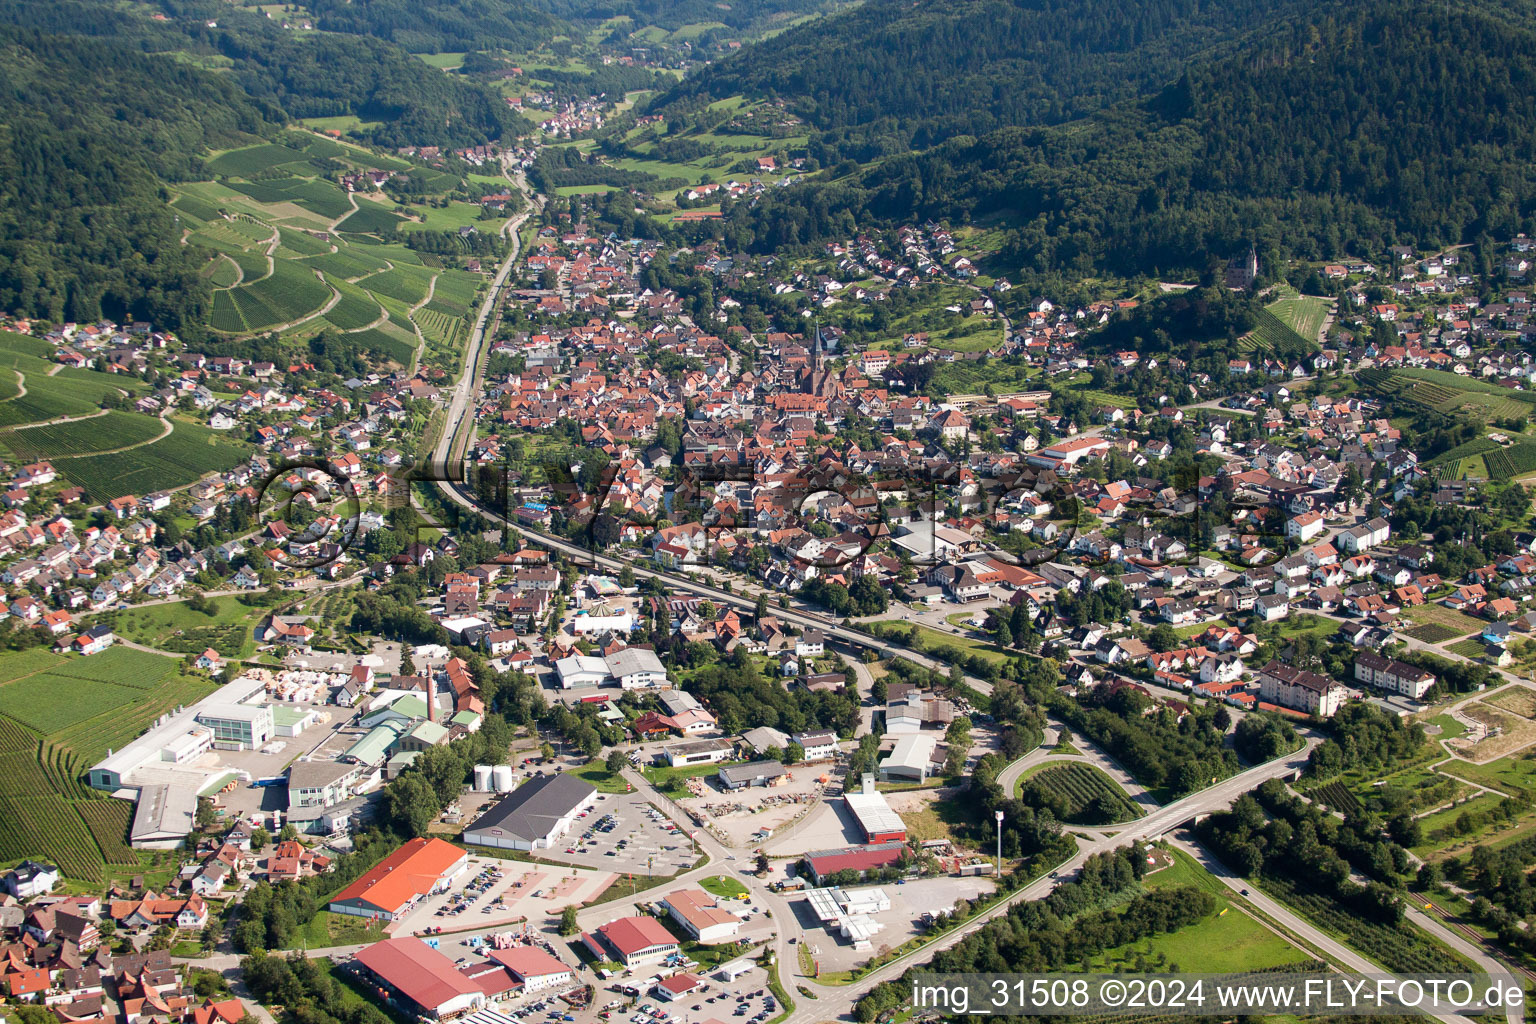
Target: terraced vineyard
290 292
1082 785
287 187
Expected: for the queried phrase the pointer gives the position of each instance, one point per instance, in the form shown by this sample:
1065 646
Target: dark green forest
1338 133
895 75
89 129
435 26
742 17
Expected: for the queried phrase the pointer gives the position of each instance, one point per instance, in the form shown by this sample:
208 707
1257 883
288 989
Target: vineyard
79 707
1082 785
1273 336
79 437
289 188
1511 462
1338 797
1399 950
181 457
290 292
1432 633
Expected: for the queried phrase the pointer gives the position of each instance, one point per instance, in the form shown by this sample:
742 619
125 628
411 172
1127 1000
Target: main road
469 381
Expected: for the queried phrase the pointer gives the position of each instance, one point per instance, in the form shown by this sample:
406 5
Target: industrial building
631 941
238 726
581 670
534 815
532 967
418 979
875 817
911 760
163 819
849 913
758 773
176 738
416 870
826 863
636 668
711 751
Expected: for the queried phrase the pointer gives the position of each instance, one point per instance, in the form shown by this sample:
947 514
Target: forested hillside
433 26
88 127
1340 133
894 74
308 74
102 105
741 16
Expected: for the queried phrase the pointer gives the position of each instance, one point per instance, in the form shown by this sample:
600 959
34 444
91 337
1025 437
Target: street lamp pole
999 847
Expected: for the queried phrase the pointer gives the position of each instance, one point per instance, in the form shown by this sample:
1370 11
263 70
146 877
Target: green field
183 456
722 886
86 705
1228 940
177 627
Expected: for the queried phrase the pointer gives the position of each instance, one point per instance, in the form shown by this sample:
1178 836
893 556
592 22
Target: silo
482 778
503 776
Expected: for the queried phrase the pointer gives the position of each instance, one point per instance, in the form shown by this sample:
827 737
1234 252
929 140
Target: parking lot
625 833
743 1001
495 892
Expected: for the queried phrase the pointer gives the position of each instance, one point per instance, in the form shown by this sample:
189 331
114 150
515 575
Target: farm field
1228 940
1433 633
1439 614
181 457
1083 785
45 810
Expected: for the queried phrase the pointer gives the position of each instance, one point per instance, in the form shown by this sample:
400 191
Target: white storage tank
482 778
503 776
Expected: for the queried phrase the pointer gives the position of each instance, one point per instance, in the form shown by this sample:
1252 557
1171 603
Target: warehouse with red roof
533 967
416 870
863 859
418 979
632 940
